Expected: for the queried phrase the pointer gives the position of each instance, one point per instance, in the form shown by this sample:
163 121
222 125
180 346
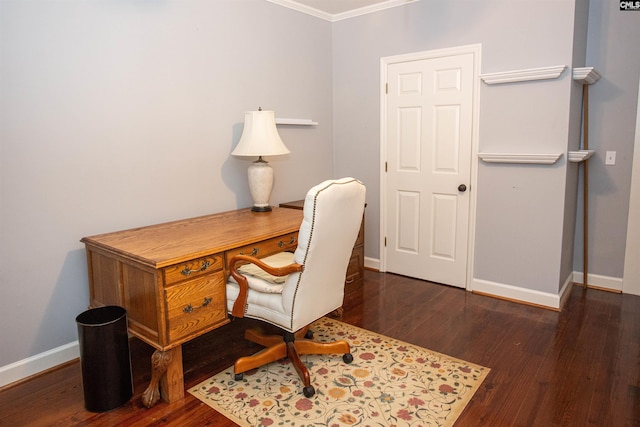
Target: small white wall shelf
296 122
586 75
523 75
580 155
540 159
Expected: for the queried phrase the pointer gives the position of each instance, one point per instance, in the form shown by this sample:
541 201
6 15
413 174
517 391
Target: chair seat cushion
261 281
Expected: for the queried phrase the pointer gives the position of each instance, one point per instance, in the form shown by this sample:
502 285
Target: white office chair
313 285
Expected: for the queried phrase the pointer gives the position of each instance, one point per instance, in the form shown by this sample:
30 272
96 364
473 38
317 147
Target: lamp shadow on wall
234 171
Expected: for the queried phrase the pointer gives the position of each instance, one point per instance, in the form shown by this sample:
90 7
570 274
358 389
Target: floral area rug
389 383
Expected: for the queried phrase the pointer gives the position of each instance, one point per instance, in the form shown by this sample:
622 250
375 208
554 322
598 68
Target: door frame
385 62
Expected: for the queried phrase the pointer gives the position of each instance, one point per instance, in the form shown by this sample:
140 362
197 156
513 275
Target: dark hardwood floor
580 367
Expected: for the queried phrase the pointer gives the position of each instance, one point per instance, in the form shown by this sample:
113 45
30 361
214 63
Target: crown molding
523 75
370 9
291 4
304 9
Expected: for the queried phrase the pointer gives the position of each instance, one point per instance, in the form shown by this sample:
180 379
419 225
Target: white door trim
475 50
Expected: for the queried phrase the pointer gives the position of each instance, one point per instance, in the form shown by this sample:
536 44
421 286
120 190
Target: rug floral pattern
389 383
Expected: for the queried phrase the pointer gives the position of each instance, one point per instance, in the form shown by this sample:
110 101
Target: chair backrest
332 216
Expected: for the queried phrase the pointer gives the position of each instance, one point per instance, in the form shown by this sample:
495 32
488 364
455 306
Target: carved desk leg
166 367
159 362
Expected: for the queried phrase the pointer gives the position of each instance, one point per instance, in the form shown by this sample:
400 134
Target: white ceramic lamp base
260 176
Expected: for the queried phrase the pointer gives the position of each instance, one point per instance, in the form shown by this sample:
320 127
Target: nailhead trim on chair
313 222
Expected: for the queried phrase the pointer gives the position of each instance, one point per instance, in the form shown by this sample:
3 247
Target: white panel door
428 171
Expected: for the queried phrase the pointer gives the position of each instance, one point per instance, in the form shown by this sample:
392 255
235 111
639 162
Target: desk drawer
192 269
288 242
195 305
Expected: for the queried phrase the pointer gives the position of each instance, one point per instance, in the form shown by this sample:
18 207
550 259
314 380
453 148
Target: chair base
290 346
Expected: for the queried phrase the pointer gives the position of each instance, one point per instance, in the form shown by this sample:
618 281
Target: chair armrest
241 301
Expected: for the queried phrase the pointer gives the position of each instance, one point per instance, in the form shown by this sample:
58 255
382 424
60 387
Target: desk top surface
165 244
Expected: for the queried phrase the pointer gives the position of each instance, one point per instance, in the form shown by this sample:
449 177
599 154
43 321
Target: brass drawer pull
189 308
187 271
254 252
291 242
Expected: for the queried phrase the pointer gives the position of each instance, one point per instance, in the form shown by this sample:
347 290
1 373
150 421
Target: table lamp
260 138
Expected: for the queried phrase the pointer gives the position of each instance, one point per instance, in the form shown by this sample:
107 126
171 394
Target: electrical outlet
610 158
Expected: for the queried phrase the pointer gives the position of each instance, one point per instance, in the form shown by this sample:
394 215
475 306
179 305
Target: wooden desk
171 279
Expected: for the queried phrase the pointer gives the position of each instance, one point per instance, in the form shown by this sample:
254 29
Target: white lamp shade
260 136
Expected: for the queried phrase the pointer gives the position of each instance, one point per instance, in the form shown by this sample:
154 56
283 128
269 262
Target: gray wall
613 102
116 114
520 209
512 37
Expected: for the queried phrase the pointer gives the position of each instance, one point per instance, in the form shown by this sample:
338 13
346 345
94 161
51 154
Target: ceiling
335 10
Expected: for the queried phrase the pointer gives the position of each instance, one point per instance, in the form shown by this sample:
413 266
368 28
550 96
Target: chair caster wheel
238 377
309 391
348 358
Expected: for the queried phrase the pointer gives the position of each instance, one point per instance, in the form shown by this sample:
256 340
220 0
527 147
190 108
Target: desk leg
172 383
167 378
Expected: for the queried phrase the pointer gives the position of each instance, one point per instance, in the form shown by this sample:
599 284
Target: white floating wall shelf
296 122
523 75
540 159
580 155
586 75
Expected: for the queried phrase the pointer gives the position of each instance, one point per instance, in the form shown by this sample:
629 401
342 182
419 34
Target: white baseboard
518 294
566 290
598 281
545 299
372 263
524 295
40 362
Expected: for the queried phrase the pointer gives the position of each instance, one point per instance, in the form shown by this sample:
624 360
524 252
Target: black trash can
104 358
